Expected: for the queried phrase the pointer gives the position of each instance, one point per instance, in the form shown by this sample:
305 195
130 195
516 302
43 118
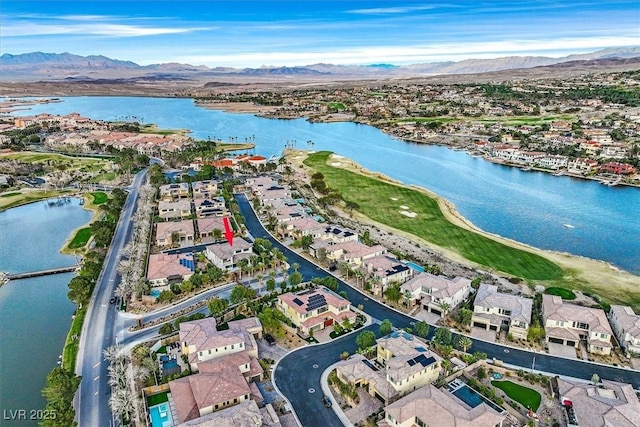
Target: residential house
582 165
495 311
210 207
225 256
351 251
406 361
245 414
174 210
304 227
227 365
437 294
168 233
607 404
553 162
204 189
314 310
431 406
568 324
206 226
618 168
387 269
360 372
626 325
164 269
170 192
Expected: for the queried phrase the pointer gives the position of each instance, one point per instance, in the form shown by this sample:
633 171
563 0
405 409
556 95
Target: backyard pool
415 266
161 415
154 293
473 398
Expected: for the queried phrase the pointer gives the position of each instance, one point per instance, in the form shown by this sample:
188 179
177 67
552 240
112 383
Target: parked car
326 401
270 339
113 300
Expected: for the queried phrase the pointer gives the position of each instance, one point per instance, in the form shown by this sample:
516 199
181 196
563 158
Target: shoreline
89 206
578 271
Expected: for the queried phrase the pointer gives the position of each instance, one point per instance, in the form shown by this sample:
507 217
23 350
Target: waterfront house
582 165
618 168
406 361
610 403
226 257
568 324
495 311
301 227
164 269
351 251
337 234
172 192
314 310
204 189
246 413
437 294
210 207
387 269
626 325
430 406
553 162
168 233
227 365
173 210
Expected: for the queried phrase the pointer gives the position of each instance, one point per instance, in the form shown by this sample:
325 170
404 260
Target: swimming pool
154 293
473 398
161 415
415 266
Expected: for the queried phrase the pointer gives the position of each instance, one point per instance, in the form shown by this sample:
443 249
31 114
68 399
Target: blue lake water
35 314
530 207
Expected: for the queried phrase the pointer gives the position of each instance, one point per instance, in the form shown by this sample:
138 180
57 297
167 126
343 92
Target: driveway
562 350
267 351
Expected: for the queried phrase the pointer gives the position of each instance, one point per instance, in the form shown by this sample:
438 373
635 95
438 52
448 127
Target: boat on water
527 169
568 226
558 173
613 183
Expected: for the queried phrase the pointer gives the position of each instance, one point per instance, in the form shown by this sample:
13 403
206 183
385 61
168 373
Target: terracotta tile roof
555 309
488 296
302 306
161 266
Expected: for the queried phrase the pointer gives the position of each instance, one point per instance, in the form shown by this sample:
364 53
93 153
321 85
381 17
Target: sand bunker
409 214
406 208
336 164
394 199
337 156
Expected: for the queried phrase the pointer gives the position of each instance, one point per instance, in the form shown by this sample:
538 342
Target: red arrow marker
228 232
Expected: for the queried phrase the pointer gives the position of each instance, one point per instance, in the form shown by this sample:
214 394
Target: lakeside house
607 404
568 324
495 311
226 257
227 365
168 233
386 269
314 310
429 406
437 294
626 325
164 269
246 413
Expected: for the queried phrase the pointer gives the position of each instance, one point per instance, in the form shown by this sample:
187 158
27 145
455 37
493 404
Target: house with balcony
227 365
626 325
174 210
496 311
170 192
164 269
226 257
406 361
387 269
206 208
437 294
609 403
568 324
306 226
431 406
180 232
314 310
204 189
352 251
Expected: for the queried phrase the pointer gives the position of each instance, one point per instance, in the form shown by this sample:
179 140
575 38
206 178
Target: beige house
164 270
314 310
181 230
226 257
568 324
304 227
174 210
206 226
495 311
360 372
387 269
351 251
227 365
172 192
437 294
406 361
246 414
608 404
204 189
206 208
626 325
430 406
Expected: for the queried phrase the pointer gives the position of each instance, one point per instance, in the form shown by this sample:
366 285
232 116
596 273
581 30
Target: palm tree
295 267
464 343
275 256
444 306
259 276
242 265
345 269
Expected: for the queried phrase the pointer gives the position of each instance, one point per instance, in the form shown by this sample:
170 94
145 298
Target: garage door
571 343
556 340
480 325
438 312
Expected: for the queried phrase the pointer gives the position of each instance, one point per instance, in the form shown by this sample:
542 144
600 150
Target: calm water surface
530 207
35 314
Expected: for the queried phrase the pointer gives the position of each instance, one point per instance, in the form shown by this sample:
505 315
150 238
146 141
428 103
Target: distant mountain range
66 66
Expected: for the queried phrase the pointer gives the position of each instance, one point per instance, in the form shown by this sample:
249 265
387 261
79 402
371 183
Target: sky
235 33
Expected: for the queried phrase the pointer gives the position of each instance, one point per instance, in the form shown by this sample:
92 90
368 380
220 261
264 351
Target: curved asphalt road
295 387
98 331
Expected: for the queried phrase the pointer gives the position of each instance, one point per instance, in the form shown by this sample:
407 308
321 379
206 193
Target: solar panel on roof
297 301
411 362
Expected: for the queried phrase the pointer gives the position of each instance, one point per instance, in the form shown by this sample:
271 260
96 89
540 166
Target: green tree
240 293
166 329
385 327
481 373
442 336
59 390
295 278
393 293
271 321
464 343
271 284
79 289
186 286
217 305
463 316
165 296
421 329
365 339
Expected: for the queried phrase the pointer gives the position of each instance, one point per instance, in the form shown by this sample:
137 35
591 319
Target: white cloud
390 10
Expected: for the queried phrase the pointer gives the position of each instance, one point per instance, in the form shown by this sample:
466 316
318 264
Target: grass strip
525 396
70 352
156 399
381 201
81 238
99 197
561 292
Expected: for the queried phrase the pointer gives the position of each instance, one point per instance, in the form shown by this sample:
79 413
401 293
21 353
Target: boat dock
48 272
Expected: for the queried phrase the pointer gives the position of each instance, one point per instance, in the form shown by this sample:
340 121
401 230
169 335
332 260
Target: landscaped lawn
99 197
11 200
336 105
70 352
81 238
156 399
561 292
9 194
525 396
382 201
